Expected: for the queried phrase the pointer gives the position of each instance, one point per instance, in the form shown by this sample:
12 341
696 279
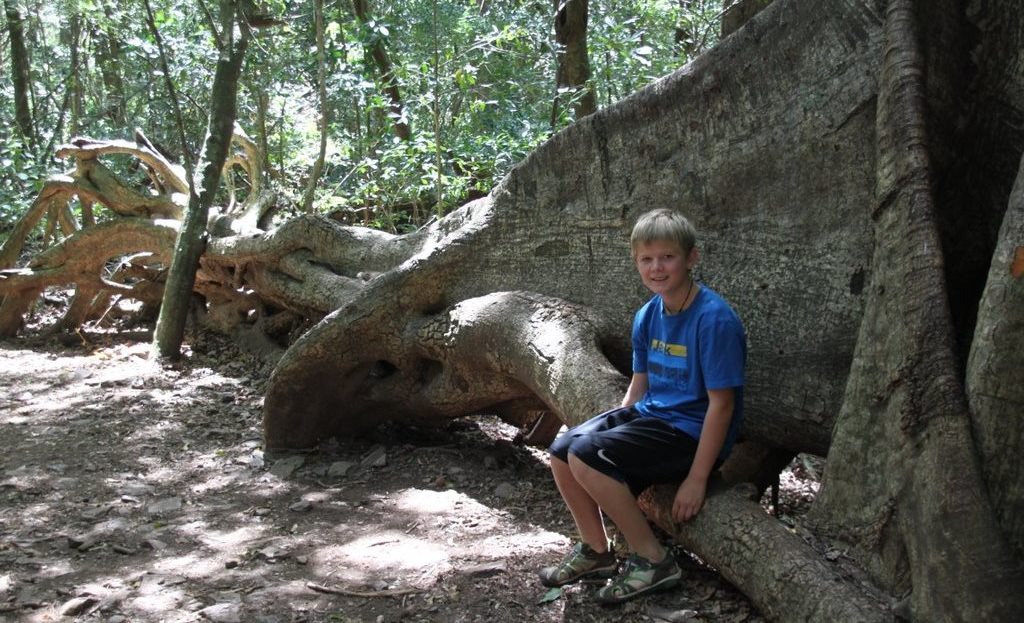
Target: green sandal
639 577
581 563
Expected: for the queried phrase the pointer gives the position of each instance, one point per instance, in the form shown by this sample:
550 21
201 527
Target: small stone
670 615
135 489
96 512
339 469
302 560
272 554
302 506
165 505
504 490
222 613
486 569
287 466
74 542
256 460
77 606
378 457
154 544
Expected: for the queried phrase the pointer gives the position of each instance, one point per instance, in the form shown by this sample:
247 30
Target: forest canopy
473 82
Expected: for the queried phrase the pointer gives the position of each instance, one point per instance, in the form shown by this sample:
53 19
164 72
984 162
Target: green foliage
22 177
476 88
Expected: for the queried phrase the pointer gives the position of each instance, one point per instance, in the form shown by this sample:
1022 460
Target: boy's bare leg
585 511
619 504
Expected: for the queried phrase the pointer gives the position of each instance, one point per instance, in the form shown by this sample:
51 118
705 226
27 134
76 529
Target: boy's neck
673 307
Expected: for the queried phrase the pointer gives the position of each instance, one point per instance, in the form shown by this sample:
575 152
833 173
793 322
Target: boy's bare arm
690 496
637 389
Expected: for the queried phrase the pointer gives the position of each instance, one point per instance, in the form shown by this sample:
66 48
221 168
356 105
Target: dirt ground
132 492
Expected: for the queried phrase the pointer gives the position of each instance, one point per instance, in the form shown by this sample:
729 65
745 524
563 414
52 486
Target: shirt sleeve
640 342
723 352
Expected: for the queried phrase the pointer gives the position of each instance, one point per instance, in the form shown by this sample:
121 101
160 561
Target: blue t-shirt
686 354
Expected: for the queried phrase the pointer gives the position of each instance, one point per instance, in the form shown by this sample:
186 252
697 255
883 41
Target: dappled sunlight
154 493
193 565
458 530
393 551
229 541
427 501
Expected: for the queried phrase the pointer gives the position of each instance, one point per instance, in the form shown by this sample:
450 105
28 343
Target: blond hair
663 224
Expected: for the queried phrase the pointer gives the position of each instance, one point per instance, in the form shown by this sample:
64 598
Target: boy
678 420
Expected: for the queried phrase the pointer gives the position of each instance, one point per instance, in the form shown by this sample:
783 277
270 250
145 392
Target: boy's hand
689 499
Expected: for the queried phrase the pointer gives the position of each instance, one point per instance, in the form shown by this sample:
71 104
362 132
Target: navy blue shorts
637 450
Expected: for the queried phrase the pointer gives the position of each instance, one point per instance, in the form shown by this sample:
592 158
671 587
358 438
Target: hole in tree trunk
382 369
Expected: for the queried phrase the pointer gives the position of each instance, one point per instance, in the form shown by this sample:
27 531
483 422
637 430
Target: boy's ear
692 258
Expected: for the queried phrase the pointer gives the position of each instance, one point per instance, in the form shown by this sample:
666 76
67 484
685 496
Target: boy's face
664 268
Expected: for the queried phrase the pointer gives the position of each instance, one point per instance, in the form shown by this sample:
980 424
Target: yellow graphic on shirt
673 350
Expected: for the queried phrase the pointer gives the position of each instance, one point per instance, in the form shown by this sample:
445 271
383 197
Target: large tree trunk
903 484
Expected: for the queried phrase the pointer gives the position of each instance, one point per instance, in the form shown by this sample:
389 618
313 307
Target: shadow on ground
132 492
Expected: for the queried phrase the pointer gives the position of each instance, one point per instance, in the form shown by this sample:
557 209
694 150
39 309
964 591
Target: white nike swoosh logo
604 457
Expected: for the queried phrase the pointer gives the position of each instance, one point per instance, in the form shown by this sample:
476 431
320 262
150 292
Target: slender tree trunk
435 110
75 83
191 242
20 71
573 63
379 53
321 89
262 134
108 58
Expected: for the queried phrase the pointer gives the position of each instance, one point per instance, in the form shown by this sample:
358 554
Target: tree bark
321 89
739 12
379 54
108 58
191 243
995 374
786 578
573 69
20 72
903 482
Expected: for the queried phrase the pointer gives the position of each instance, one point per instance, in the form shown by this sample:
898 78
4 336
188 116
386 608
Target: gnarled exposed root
505 353
786 578
80 259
